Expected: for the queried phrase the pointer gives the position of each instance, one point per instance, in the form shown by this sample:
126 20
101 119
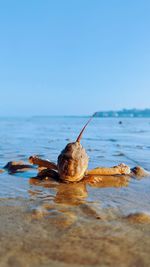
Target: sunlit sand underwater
47 223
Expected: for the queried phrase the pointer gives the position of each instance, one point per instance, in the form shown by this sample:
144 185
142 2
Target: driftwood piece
42 163
17 166
116 170
48 173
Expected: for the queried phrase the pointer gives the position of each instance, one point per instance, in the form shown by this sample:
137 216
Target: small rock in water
139 217
39 212
140 172
119 154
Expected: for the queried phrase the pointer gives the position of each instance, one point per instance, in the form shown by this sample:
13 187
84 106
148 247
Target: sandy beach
52 235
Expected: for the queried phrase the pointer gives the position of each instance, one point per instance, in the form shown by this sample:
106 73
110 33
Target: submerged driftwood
116 176
17 166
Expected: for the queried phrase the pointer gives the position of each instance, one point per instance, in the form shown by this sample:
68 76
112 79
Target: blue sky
72 57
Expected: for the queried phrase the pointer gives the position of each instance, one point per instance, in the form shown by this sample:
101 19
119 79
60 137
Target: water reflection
71 194
76 193
66 204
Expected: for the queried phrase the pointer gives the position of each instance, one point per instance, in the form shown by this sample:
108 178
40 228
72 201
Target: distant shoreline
72 117
124 113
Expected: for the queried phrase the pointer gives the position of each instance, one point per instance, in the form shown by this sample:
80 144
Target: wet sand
65 227
52 235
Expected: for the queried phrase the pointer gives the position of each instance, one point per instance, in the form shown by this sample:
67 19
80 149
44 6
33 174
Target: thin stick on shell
80 135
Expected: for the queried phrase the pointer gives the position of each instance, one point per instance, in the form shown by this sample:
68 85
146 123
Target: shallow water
109 213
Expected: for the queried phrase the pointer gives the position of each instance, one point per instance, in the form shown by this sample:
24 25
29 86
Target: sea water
107 141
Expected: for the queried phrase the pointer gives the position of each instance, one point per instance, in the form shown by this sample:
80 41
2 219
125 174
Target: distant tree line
124 113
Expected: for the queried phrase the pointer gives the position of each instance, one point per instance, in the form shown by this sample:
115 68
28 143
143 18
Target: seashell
72 162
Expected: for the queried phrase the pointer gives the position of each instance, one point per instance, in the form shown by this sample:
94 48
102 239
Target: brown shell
72 162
